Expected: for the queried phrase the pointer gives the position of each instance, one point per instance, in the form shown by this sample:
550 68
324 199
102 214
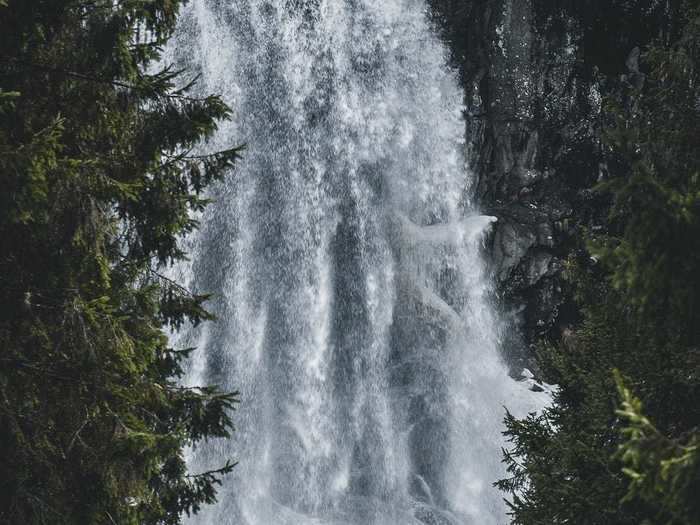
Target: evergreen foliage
98 182
665 472
594 456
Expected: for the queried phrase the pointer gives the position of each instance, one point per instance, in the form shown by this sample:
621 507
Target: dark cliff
536 75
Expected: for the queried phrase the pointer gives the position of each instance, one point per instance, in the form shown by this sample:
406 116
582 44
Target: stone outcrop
535 75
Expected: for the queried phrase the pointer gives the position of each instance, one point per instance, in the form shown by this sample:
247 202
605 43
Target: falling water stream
344 255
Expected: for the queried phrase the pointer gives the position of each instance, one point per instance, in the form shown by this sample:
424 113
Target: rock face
535 76
517 82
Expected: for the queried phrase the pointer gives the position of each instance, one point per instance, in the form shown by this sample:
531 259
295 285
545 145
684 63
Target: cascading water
344 255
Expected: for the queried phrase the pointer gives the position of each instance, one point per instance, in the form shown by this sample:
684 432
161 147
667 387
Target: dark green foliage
665 472
561 468
655 137
584 460
98 181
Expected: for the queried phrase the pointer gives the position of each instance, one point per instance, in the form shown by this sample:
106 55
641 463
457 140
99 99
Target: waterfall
343 253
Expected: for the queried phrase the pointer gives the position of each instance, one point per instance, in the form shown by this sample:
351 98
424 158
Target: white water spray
344 253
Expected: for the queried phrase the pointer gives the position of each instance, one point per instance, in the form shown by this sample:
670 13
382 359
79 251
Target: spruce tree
99 181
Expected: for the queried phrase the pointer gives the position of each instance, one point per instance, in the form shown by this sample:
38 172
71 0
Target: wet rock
531 130
420 490
511 241
432 516
538 266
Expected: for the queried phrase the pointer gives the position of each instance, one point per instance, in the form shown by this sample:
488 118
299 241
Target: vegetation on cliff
98 181
620 442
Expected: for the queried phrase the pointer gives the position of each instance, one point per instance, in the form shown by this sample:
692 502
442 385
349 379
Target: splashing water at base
344 253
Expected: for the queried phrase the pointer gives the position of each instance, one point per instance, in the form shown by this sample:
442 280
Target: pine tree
99 181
